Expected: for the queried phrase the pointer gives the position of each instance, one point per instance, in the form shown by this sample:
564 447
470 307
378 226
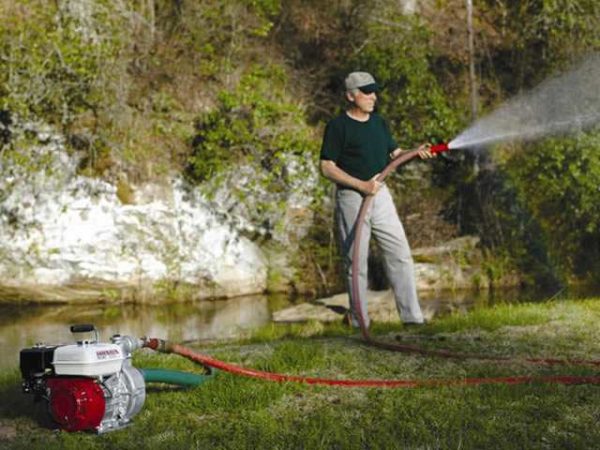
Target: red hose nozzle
439 148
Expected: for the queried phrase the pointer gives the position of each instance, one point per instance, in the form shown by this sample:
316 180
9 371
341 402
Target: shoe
413 324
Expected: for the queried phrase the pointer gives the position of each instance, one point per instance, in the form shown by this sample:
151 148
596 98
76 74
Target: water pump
89 386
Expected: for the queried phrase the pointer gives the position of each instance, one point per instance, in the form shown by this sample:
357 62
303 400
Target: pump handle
83 328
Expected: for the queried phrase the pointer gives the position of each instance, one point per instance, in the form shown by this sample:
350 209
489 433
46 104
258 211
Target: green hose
174 377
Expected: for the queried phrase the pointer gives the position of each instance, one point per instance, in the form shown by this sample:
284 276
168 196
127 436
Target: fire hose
93 386
208 361
356 300
205 360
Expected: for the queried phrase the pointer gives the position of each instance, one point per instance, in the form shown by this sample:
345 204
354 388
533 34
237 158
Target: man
357 146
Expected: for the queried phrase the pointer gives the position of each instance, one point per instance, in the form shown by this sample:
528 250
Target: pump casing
89 386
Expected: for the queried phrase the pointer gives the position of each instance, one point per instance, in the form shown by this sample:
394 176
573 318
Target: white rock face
57 228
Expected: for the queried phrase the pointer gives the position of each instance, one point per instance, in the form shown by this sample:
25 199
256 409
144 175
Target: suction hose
174 377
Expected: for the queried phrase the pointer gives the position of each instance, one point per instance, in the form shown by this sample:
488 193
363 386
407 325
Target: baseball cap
361 80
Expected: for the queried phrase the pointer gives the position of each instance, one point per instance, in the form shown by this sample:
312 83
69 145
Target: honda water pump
89 386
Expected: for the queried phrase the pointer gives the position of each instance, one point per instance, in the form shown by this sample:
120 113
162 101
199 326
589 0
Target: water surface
25 325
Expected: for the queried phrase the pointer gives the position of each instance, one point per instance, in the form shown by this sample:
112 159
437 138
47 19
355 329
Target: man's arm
332 172
424 152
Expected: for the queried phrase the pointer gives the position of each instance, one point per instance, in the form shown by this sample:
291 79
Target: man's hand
371 187
332 172
425 151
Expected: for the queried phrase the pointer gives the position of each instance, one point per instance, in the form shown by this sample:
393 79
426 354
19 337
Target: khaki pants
383 222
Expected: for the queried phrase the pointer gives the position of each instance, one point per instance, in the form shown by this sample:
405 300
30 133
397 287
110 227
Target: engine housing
89 386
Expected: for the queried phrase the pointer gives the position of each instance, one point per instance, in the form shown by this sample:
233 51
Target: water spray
566 103
562 104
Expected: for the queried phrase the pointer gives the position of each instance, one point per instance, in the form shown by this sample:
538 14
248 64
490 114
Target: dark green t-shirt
360 149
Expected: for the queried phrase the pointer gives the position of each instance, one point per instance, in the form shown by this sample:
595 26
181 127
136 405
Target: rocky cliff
67 236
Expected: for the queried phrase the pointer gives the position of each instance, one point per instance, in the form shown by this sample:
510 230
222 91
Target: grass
231 412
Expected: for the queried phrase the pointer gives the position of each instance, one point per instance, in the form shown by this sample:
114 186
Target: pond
24 325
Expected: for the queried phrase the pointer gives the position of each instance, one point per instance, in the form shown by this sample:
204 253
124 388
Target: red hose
355 297
360 220
160 345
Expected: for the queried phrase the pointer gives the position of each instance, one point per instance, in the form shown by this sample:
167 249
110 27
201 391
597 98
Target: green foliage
127 79
20 156
218 37
253 124
572 23
510 206
52 66
257 141
537 37
537 211
488 203
559 178
59 66
319 258
266 10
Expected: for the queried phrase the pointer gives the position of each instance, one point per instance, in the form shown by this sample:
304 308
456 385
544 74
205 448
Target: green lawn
239 413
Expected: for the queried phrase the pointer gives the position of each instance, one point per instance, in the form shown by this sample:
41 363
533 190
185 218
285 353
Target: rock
381 306
8 432
462 245
60 230
443 284
451 265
